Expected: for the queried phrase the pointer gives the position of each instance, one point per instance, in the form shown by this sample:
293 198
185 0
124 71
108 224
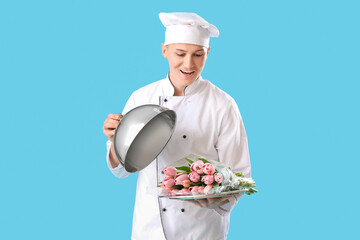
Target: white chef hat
183 27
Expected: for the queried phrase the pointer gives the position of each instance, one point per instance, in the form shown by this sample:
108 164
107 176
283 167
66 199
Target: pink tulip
167 178
194 177
173 192
168 182
170 171
180 178
166 189
184 191
209 168
179 174
186 183
197 167
208 179
218 177
194 189
207 189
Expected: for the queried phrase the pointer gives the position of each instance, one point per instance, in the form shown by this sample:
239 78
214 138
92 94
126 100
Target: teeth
187 71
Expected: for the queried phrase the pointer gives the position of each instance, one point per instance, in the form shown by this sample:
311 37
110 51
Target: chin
188 81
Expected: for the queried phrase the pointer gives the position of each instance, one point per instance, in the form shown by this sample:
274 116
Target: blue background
292 67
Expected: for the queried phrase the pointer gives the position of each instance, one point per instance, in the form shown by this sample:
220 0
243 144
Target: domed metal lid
142 134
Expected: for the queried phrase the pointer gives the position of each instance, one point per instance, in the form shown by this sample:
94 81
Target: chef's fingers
222 202
212 203
238 195
112 135
194 202
111 123
202 202
109 130
115 116
224 198
216 202
219 199
109 133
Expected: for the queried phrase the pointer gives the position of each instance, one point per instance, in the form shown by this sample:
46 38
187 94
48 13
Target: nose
189 62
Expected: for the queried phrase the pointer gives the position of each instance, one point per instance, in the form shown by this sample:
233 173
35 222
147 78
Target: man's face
186 62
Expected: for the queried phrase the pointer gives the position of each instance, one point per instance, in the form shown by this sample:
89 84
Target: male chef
208 124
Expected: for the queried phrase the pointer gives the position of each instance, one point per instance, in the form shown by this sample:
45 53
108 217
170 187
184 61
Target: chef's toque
182 27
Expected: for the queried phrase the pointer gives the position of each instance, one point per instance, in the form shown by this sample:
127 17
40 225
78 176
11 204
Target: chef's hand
211 203
110 125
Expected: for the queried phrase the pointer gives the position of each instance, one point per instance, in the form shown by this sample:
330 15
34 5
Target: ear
164 50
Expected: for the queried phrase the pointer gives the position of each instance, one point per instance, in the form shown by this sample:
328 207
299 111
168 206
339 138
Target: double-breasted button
164 209
165 100
184 136
183 210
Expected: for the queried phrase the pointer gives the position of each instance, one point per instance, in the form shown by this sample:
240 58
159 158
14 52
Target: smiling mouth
188 73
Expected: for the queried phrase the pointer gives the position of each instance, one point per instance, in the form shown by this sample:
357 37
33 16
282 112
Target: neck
179 90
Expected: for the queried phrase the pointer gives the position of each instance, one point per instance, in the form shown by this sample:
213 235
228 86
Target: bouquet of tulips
195 175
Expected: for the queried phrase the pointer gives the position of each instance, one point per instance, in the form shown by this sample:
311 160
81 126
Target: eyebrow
185 51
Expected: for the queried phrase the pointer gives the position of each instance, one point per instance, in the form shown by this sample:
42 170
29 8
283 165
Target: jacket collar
168 88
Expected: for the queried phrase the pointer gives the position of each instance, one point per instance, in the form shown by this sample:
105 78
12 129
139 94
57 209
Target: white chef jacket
208 124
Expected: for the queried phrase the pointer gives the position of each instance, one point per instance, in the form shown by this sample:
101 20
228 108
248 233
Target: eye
180 54
199 54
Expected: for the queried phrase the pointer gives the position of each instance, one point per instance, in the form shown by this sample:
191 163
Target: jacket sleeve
227 207
232 148
120 171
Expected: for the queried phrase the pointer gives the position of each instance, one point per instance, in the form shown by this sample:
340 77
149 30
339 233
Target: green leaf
251 191
178 187
204 160
184 168
239 174
190 161
197 184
